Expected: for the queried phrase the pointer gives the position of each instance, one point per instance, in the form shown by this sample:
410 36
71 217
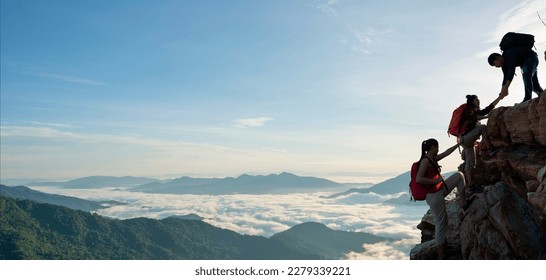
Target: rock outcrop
507 220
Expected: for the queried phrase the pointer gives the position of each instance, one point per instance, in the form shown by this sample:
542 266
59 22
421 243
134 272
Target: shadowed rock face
507 220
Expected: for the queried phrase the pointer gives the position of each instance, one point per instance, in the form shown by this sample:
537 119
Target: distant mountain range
396 185
283 183
98 182
391 186
21 192
36 231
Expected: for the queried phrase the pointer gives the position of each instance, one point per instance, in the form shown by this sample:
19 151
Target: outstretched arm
482 114
504 89
446 153
496 101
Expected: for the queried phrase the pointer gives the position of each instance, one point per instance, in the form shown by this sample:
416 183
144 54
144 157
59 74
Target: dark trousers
530 79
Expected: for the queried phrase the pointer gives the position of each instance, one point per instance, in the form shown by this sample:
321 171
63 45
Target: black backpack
513 39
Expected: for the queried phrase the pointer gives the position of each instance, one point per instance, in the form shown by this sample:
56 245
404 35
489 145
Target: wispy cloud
523 18
357 40
59 125
326 7
38 131
65 78
251 122
364 41
128 154
59 134
71 79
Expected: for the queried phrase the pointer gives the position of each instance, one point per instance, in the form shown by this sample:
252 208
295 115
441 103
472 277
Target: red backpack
455 128
417 191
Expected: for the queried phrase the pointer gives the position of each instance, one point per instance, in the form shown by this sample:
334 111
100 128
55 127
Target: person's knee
460 175
461 181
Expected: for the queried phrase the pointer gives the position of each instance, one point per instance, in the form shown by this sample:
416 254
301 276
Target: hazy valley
344 209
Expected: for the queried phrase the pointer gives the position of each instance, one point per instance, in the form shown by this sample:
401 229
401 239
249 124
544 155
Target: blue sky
344 90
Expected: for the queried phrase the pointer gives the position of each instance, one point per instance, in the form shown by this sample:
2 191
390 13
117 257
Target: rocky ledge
507 220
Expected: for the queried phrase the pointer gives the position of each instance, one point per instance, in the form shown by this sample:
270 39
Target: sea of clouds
266 215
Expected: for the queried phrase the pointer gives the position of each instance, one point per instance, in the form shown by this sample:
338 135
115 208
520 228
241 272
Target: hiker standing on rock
472 129
523 57
429 174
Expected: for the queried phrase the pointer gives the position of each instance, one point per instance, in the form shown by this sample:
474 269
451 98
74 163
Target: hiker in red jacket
472 130
429 174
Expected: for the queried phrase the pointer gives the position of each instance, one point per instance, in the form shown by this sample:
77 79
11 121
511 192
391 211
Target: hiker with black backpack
470 129
429 176
517 52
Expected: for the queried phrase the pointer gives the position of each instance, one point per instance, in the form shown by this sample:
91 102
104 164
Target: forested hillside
30 230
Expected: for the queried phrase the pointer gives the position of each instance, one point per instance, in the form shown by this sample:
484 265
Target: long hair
426 145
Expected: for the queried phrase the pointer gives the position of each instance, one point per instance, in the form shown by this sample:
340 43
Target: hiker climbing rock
429 174
470 129
517 52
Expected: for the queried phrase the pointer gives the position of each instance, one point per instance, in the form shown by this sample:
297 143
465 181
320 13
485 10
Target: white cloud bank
266 215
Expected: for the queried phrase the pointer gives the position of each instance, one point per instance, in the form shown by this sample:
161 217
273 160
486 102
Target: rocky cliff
507 220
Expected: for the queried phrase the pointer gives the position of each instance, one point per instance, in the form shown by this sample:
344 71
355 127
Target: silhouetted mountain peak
309 227
22 192
99 182
187 217
317 238
243 184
